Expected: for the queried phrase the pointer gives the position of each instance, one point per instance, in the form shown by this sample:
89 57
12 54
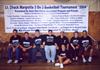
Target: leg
47 53
53 53
43 54
67 61
9 55
90 55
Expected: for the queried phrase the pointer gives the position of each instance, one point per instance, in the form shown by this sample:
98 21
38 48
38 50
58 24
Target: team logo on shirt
50 38
15 42
26 44
75 42
38 41
85 43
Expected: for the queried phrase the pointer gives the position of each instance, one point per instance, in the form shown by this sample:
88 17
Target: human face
63 48
76 35
50 33
14 33
84 34
37 34
26 35
62 33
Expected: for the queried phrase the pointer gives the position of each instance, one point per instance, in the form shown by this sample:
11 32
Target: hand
85 49
42 46
24 49
14 49
77 47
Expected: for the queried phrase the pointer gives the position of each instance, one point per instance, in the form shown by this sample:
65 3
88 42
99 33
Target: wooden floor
95 65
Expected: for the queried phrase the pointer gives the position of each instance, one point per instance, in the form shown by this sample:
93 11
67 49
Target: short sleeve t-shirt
26 42
75 41
86 41
38 40
62 41
15 41
50 39
64 53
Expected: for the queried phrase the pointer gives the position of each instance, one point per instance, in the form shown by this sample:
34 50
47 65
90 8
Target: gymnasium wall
94 14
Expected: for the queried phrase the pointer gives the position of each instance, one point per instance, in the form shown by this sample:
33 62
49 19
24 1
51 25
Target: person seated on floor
63 57
38 47
26 46
86 45
14 46
62 40
75 44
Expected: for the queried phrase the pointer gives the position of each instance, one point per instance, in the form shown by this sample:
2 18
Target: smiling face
26 35
63 48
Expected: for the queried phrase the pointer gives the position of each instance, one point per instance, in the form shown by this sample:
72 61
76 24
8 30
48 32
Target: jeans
38 49
50 52
10 52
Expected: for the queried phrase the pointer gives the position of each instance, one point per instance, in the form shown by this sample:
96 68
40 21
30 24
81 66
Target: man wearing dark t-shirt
38 45
26 46
14 45
62 40
75 44
86 45
50 46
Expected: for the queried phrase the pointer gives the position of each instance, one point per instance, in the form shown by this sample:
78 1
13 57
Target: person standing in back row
50 46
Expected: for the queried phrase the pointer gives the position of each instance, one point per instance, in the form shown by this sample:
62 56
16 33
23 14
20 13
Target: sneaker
9 61
57 64
48 61
53 61
84 60
16 61
90 59
76 58
61 66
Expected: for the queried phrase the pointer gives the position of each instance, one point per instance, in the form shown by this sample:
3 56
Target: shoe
48 61
76 58
16 61
90 59
9 61
61 66
53 61
57 64
84 60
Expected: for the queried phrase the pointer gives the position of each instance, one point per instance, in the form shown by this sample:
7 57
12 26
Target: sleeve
10 40
71 40
55 40
21 41
67 40
90 41
31 42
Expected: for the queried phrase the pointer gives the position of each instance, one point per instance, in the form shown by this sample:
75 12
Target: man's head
26 35
49 32
62 33
14 32
84 33
37 33
76 34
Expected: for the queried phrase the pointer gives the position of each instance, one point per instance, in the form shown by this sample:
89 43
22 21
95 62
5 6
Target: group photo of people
56 49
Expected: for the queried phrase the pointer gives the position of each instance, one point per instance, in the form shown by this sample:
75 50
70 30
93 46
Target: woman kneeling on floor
63 57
